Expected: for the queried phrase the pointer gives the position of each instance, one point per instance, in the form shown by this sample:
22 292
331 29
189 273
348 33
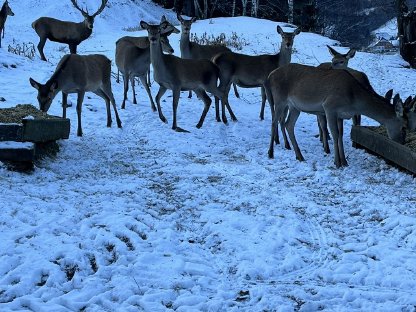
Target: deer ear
407 103
179 17
34 84
144 25
163 19
279 30
332 51
297 31
351 53
193 19
389 94
398 105
164 25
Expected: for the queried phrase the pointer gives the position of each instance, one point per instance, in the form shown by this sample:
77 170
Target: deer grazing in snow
196 51
337 94
249 71
177 74
133 60
78 74
4 12
65 32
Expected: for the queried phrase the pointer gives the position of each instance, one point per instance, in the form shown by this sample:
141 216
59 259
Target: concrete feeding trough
26 133
376 141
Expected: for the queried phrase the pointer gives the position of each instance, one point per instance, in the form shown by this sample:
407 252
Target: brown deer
78 74
65 32
337 94
196 51
249 71
177 74
4 12
133 60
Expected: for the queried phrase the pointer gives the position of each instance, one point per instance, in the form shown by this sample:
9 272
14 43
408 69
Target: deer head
8 9
186 24
46 93
154 30
287 37
340 61
89 19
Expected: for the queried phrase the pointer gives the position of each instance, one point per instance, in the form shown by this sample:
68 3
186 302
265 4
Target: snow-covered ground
146 219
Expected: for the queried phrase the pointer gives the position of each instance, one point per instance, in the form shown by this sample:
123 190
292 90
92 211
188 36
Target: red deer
4 12
65 32
78 74
177 74
337 94
249 71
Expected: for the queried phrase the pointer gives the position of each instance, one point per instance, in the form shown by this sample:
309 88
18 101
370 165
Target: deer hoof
271 154
178 129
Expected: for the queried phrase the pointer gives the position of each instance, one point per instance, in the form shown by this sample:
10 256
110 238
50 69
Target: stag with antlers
65 32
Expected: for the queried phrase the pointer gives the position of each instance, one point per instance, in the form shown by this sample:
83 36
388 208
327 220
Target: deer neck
285 55
157 57
185 45
3 14
83 30
377 109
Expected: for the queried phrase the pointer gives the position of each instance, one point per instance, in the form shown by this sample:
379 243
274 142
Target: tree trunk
290 16
406 25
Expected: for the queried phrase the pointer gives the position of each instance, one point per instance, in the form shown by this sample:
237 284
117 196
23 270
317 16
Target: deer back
82 72
199 51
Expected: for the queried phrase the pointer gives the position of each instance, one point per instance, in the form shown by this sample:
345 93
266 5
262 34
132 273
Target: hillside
146 219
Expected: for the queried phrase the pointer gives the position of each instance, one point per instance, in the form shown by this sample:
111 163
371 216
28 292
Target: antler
103 4
75 4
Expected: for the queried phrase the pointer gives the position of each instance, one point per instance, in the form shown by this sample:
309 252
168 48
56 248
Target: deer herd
332 91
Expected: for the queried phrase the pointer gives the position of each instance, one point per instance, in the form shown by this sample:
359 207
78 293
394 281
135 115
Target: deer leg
282 120
323 130
72 48
217 109
356 120
159 94
290 126
109 94
190 94
176 94
133 84
64 103
126 89
148 78
225 103
207 103
144 81
118 76
340 123
273 133
237 95
80 99
333 127
0 41
41 45
263 103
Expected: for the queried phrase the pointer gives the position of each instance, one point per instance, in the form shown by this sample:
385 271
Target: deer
133 60
4 12
249 71
196 51
176 74
338 95
65 32
78 74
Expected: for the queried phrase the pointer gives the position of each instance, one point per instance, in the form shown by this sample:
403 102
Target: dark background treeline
349 21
